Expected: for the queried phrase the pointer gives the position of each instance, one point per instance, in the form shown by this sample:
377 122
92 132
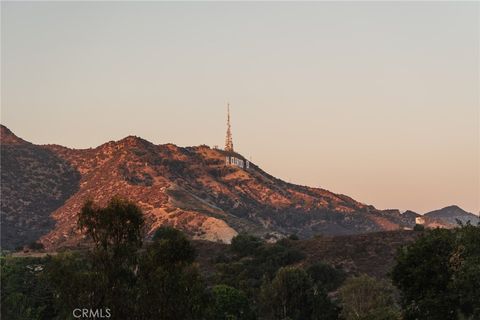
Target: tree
117 233
465 262
75 283
246 271
422 273
323 307
292 295
245 244
173 247
439 274
230 304
25 295
158 282
116 228
365 298
325 276
170 286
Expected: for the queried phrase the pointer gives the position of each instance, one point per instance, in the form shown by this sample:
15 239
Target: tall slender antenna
228 138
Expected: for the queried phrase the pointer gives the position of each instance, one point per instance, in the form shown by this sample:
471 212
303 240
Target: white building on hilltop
419 220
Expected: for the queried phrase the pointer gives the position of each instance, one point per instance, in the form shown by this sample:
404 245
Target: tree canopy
292 295
366 298
439 274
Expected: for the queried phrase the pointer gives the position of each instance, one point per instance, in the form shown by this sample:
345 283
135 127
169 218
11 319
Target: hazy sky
379 100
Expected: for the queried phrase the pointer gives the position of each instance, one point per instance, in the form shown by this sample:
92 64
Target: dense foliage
325 276
293 295
250 261
169 285
366 298
157 280
439 275
230 303
276 287
25 295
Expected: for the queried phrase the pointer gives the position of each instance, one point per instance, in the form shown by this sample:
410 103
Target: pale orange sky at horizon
378 101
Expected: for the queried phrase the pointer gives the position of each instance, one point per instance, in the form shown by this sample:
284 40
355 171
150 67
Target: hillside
451 214
189 188
371 253
34 183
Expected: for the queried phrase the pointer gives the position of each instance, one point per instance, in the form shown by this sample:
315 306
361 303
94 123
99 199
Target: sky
376 100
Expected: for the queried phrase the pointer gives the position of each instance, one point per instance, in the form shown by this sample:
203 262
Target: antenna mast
228 138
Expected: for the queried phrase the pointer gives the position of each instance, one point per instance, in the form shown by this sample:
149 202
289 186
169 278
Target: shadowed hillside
34 183
371 254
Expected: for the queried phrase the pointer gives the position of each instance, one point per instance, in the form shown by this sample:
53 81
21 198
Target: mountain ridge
191 188
451 214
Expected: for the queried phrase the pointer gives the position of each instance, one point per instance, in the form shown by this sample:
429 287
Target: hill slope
34 183
451 214
190 188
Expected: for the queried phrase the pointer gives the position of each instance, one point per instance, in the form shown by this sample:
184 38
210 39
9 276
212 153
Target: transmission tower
228 138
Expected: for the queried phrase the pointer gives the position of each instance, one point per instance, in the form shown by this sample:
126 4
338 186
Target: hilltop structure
231 158
190 188
228 138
